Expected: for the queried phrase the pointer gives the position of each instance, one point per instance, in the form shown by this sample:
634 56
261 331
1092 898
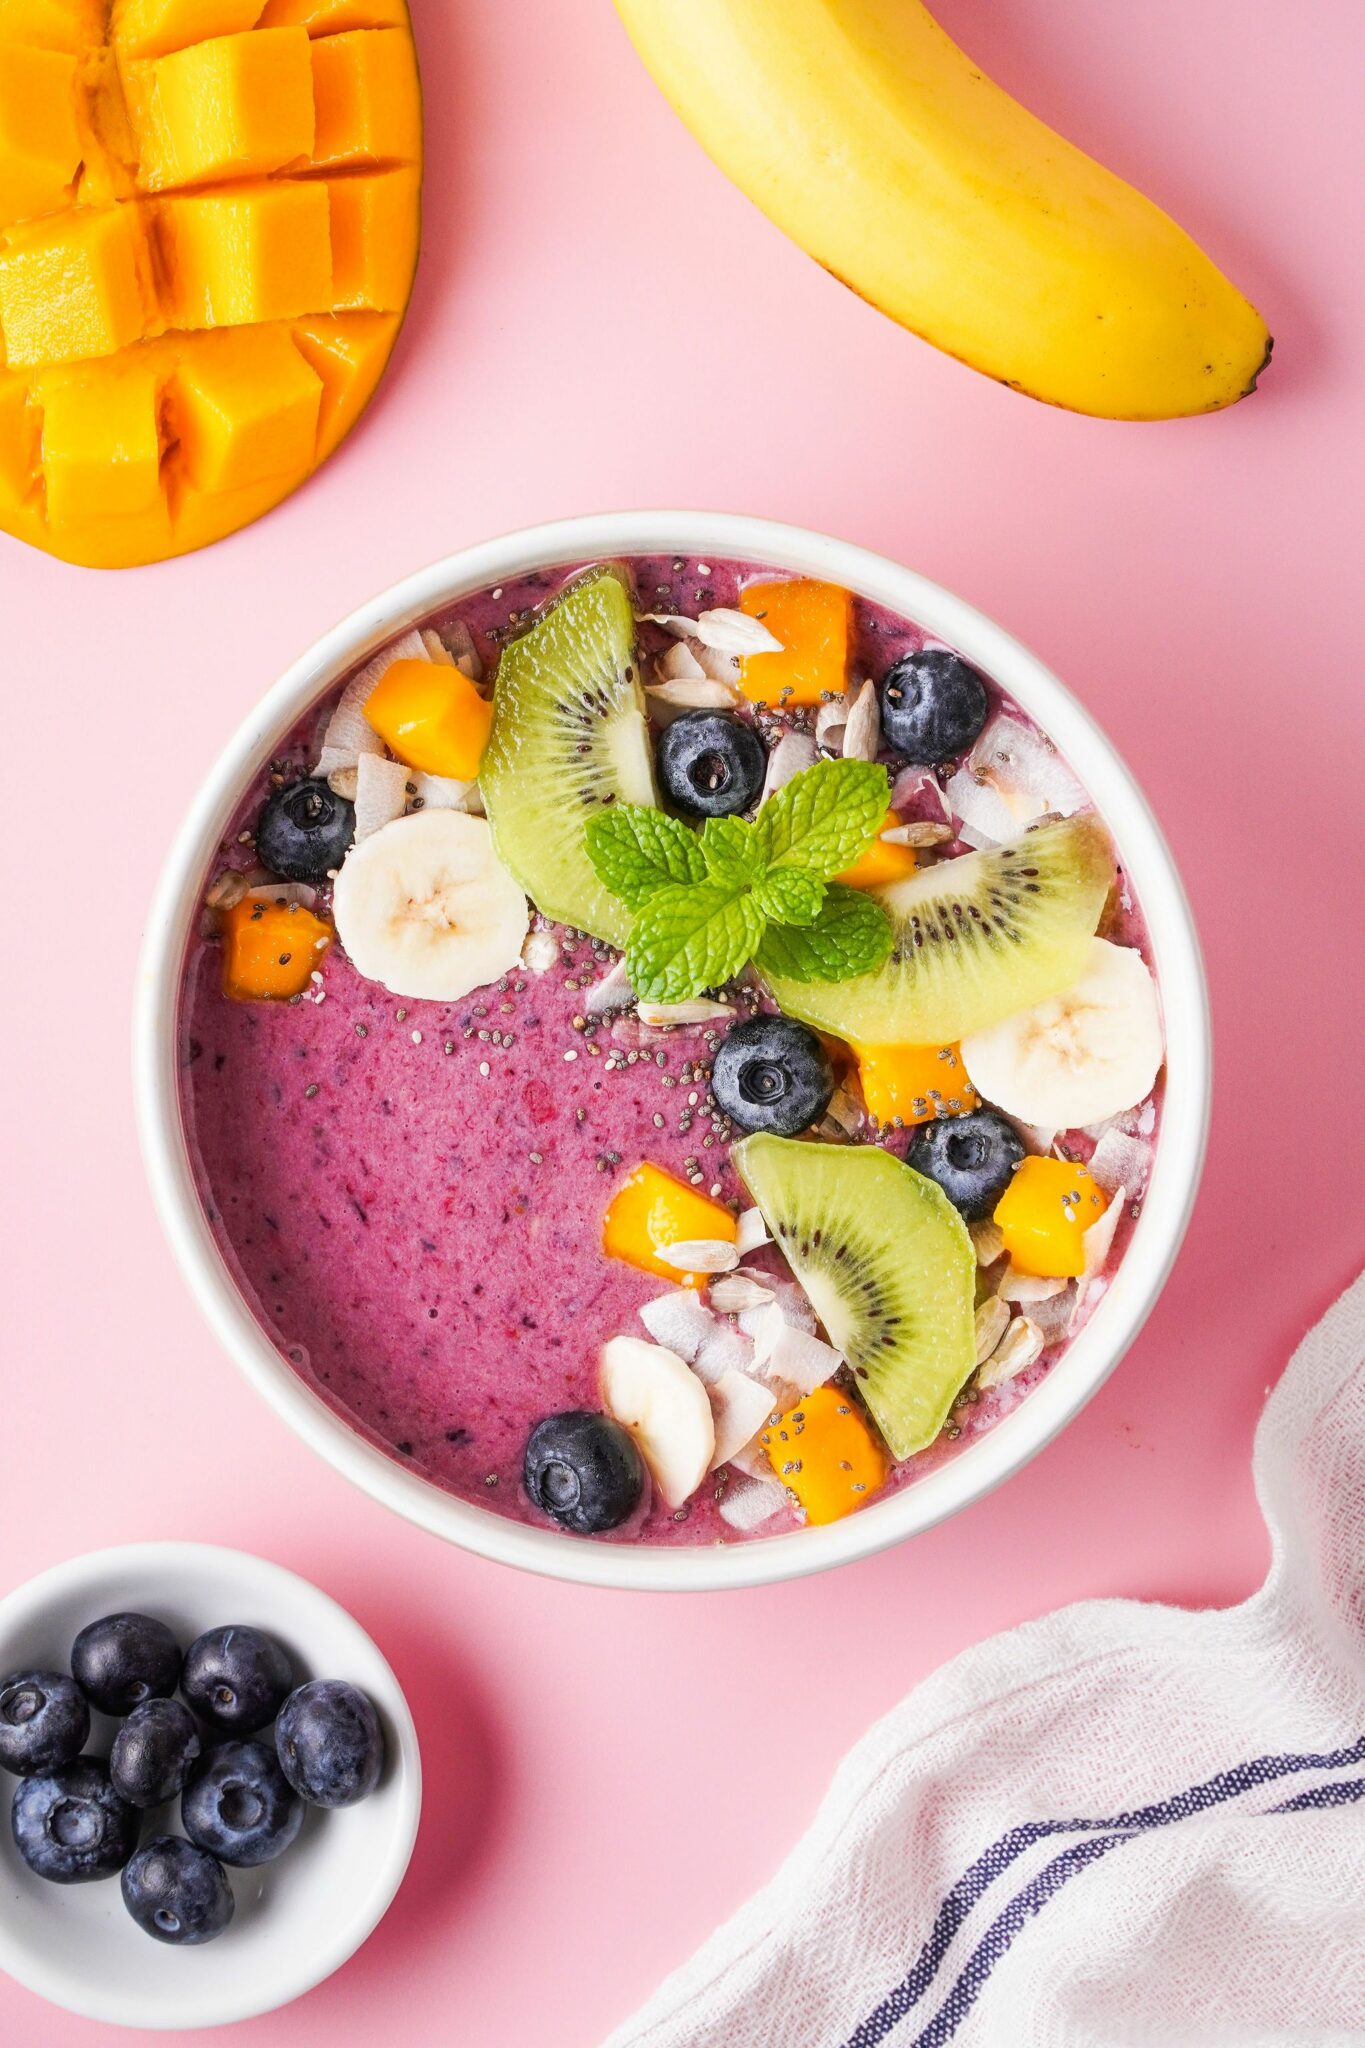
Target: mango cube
270 949
882 862
47 24
914 1084
814 622
824 1451
347 351
652 1210
245 408
101 444
368 101
40 149
374 225
432 717
239 106
248 253
149 28
326 17
74 287
1044 1214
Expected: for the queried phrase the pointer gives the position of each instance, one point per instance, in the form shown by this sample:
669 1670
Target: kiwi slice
976 939
569 736
889 1269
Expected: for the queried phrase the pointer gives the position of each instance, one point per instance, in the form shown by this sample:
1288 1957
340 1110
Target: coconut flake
679 1321
723 1349
349 734
1035 1136
916 794
612 992
436 648
1097 1240
784 1352
992 1321
863 733
700 1255
541 951
691 693
723 629
750 1232
1055 1316
988 1241
455 644
700 1010
678 664
831 722
1025 770
983 817
294 895
740 1408
1119 1161
381 793
794 752
1020 1346
342 782
1029 1286
443 793
748 1503
732 1293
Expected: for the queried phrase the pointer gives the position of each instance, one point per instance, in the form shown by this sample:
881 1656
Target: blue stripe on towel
1106 1835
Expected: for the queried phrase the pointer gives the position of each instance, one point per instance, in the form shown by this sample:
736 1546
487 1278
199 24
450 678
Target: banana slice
1079 1057
660 1400
425 906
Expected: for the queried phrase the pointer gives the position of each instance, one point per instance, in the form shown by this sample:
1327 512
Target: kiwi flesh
976 939
569 737
888 1267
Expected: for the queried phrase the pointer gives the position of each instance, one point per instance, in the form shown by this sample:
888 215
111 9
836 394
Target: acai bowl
672 1051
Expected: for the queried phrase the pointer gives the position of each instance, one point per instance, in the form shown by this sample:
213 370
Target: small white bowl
1180 1152
297 1919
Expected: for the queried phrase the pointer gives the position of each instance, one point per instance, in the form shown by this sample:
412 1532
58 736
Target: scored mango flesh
209 217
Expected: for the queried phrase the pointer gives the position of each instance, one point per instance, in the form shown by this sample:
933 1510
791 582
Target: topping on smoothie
813 622
426 907
657 1397
825 1454
1044 1213
651 1213
432 717
271 947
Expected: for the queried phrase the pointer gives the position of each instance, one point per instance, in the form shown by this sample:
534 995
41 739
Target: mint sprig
706 903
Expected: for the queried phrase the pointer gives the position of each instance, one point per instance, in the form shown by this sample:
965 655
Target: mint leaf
851 935
824 818
789 895
636 851
730 849
690 938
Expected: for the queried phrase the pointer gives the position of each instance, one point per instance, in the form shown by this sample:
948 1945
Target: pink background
601 321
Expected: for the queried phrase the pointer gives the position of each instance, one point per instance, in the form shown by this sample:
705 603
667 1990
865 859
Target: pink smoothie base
409 1194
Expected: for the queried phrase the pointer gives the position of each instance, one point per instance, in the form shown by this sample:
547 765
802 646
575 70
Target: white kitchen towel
1121 1824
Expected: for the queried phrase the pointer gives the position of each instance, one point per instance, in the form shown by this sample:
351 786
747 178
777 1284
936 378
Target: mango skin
209 226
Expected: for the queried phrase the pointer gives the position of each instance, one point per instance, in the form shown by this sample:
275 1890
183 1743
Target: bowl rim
1092 1355
176 2008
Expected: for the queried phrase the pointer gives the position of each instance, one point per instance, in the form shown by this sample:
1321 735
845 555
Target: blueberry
154 1752
70 1826
711 764
303 831
241 1807
177 1892
972 1158
237 1678
44 1722
330 1743
933 705
584 1471
770 1074
125 1659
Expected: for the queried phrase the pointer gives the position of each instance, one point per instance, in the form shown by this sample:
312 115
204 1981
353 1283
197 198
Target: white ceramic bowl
297 1919
1165 1211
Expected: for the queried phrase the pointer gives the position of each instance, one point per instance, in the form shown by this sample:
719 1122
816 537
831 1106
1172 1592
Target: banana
659 1399
1079 1057
425 906
871 139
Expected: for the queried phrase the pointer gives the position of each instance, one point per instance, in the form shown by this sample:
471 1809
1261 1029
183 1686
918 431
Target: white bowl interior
297 1919
1143 851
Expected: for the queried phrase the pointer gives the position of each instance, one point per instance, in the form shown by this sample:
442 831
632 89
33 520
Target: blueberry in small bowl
44 1722
240 1806
584 1471
124 1659
71 1827
304 831
971 1157
711 764
177 1892
155 1752
329 1743
237 1678
934 705
772 1074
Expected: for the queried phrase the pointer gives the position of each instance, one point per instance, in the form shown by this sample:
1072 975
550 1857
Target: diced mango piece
40 148
245 406
326 17
882 862
431 717
248 253
270 949
375 225
150 28
47 24
1044 1213
101 442
652 1210
824 1450
237 107
74 287
368 101
913 1084
20 440
348 351
814 622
